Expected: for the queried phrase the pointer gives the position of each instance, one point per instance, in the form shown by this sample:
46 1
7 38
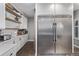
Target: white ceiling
57 9
26 8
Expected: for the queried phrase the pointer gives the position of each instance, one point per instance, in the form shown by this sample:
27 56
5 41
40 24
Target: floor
27 50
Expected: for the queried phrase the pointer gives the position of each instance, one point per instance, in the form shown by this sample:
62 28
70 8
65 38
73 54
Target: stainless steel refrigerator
54 29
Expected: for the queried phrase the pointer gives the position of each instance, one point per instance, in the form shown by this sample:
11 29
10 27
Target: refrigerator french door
54 31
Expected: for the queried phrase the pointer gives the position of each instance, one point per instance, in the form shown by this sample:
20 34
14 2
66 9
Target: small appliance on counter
5 37
22 31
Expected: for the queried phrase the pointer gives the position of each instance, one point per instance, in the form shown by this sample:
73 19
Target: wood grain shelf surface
12 11
12 20
11 28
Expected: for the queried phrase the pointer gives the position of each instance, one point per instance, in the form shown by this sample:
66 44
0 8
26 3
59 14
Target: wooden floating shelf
9 5
12 20
11 11
12 28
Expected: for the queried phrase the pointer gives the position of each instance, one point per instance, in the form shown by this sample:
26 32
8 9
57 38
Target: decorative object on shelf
22 31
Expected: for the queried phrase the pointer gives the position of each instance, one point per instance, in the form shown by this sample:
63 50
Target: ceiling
27 9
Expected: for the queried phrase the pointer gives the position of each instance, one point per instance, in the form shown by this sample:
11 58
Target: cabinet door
18 44
22 40
9 53
2 16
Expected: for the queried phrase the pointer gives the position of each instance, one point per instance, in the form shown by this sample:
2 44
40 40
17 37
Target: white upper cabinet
23 21
2 16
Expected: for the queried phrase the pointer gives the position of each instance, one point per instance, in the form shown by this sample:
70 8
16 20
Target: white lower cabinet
20 41
23 40
17 48
10 52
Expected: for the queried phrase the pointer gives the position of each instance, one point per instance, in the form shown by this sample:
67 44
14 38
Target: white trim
36 29
72 30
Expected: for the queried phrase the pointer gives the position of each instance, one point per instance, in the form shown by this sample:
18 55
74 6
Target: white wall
23 21
31 29
2 16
